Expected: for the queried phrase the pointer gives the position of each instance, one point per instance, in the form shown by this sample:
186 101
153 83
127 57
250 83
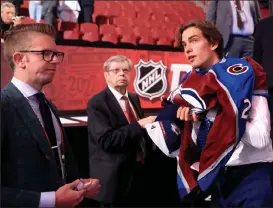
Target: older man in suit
235 19
117 144
36 158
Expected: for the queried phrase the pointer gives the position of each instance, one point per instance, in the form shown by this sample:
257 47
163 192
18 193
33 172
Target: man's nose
121 72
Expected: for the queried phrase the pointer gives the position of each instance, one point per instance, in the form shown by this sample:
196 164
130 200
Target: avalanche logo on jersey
237 69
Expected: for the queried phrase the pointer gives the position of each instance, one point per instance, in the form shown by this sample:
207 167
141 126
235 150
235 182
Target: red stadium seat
71 35
158 16
112 38
89 28
129 38
90 32
107 29
108 33
129 12
124 29
120 21
71 26
91 36
144 14
146 39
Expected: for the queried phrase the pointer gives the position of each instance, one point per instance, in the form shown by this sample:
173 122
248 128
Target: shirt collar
24 88
205 71
117 94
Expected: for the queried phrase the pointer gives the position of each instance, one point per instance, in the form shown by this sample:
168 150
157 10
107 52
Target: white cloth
256 144
69 11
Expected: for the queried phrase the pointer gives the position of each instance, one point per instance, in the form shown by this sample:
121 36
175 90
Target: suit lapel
135 103
28 117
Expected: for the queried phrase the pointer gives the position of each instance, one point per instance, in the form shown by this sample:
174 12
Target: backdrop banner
80 76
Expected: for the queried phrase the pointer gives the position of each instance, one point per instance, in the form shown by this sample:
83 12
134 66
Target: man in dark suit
235 19
263 53
117 142
37 161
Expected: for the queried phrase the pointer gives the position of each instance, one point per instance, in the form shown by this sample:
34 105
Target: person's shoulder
5 98
97 99
238 66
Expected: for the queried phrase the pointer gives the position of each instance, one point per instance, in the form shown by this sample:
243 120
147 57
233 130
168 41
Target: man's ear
214 46
105 75
19 60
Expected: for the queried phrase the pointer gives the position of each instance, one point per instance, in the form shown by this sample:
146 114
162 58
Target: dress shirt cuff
47 199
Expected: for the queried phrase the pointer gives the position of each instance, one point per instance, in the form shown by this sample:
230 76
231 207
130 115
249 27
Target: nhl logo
150 81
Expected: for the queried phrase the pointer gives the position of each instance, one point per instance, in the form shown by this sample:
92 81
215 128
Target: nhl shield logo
150 81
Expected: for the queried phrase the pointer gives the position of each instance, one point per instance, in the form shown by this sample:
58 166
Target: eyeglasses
125 71
48 55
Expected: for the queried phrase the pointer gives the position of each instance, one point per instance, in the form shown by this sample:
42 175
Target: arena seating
133 22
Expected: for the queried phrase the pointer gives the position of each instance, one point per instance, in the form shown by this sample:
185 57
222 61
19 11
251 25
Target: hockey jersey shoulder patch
237 69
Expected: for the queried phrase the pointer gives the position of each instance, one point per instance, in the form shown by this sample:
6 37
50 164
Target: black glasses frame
57 54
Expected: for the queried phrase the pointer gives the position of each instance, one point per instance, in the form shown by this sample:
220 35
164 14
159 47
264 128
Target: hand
93 188
184 114
67 197
147 120
16 20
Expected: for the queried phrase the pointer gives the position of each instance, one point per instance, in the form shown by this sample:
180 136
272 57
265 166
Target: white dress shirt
246 13
47 198
121 102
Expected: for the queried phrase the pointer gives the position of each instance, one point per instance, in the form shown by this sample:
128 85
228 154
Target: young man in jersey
225 100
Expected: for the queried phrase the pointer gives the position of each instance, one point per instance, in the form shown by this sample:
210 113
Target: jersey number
246 110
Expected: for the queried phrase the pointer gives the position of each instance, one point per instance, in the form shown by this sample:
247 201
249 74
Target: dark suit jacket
112 145
219 12
263 47
28 166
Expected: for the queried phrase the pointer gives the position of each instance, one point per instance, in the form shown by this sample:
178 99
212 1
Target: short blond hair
117 58
6 4
18 38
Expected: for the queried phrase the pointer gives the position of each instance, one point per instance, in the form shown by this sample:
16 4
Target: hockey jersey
228 87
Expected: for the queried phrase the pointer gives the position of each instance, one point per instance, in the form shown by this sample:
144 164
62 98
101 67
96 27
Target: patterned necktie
48 126
203 133
132 118
239 18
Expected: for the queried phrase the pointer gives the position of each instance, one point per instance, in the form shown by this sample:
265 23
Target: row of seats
133 22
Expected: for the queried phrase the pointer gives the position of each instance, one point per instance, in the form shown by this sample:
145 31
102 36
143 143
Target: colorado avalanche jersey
228 87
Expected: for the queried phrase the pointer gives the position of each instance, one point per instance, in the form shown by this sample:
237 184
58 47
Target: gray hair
6 4
117 58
